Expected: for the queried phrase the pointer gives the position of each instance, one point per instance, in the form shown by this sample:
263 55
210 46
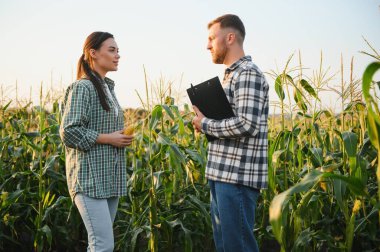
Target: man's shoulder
249 71
249 67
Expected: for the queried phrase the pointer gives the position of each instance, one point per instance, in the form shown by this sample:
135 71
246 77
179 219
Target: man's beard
219 56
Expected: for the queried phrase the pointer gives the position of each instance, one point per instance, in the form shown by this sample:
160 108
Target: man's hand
197 119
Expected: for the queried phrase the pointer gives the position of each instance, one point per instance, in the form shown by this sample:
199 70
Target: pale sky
169 37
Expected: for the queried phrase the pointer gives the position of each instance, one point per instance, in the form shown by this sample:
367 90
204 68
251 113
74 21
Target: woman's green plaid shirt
97 170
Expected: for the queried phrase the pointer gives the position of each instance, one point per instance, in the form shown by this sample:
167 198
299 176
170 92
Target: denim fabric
233 216
98 216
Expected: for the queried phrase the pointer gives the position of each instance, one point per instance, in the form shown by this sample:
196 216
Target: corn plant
331 200
323 191
34 202
167 207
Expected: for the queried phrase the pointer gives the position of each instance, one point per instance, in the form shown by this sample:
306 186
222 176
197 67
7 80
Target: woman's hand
117 139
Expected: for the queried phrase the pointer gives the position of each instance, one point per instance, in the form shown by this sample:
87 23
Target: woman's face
106 58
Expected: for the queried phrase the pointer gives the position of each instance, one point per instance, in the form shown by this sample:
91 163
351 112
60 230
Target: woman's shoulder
78 89
82 84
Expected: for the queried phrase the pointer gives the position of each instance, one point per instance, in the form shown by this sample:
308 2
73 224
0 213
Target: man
237 166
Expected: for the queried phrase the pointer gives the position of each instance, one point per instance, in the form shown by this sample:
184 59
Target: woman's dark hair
85 69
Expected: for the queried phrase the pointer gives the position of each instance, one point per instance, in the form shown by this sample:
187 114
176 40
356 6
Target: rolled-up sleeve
250 92
73 129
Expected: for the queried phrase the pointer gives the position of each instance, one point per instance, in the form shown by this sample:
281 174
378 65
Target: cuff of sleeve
91 138
204 124
93 135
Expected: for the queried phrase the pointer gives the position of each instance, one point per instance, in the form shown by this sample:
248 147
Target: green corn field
324 173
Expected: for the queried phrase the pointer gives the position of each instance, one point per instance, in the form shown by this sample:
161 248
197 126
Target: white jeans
98 216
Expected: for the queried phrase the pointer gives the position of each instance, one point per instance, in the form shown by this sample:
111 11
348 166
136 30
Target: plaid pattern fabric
240 154
97 170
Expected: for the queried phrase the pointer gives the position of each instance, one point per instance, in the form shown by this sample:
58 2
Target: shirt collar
106 80
238 63
110 82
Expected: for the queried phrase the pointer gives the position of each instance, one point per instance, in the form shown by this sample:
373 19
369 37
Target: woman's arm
73 131
117 139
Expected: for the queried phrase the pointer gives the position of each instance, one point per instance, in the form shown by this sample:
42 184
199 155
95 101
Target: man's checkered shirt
240 154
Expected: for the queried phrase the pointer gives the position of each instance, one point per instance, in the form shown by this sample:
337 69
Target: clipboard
210 98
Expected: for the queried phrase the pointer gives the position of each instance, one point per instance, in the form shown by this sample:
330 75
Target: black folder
211 100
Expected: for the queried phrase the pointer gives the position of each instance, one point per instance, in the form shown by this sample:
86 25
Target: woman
91 129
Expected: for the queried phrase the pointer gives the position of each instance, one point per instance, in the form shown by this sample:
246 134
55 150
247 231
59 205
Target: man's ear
231 37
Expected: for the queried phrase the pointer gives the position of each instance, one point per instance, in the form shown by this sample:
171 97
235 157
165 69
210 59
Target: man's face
217 43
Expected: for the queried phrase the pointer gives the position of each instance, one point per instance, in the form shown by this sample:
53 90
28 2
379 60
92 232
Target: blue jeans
233 216
98 216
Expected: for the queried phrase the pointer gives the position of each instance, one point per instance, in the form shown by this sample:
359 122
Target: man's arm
250 95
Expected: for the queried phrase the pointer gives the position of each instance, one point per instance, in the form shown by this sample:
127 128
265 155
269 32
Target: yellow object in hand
129 130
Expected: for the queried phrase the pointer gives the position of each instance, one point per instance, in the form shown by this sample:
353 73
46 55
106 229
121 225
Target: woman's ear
93 53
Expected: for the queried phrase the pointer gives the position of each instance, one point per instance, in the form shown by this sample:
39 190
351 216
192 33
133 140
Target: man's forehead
217 30
214 29
215 26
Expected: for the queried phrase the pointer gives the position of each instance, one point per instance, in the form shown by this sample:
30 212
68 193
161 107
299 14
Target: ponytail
84 70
